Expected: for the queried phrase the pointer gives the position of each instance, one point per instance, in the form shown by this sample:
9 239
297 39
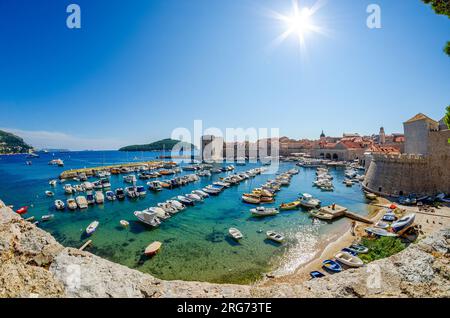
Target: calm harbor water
195 242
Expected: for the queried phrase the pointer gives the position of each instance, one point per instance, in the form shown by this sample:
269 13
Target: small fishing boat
99 197
290 206
358 248
307 201
140 191
332 266
154 186
90 198
262 212
92 228
68 189
81 202
251 199
153 248
177 204
321 215
130 179
370 196
349 259
72 204
185 200
52 183
59 205
120 194
403 223
274 236
316 274
159 212
389 217
347 250
131 192
201 193
211 191
348 183
124 223
235 234
48 217
49 193
110 196
168 208
379 232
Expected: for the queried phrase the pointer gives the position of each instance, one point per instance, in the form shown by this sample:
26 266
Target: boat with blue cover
332 266
316 274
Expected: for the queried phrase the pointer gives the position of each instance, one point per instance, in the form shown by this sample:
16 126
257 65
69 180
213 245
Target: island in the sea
12 144
165 144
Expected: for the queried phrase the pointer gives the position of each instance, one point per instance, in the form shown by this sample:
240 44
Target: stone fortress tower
382 136
424 168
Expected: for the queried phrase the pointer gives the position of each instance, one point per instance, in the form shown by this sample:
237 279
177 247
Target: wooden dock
337 211
85 245
357 217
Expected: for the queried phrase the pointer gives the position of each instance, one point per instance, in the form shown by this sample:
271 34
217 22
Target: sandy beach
429 221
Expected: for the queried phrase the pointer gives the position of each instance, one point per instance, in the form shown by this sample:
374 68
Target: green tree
447 117
441 7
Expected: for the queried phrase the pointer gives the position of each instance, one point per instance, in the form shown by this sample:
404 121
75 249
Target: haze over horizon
135 72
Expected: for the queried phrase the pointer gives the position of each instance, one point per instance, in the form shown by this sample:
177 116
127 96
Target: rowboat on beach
349 259
379 232
316 274
358 248
332 266
403 223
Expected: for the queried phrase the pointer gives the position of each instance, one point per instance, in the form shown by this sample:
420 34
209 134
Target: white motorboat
148 218
48 217
68 189
194 197
167 207
105 183
82 202
160 213
201 193
276 237
99 197
235 233
262 211
88 186
72 204
349 259
131 192
92 228
177 204
379 232
59 205
52 183
185 200
124 223
130 179
49 193
212 190
154 186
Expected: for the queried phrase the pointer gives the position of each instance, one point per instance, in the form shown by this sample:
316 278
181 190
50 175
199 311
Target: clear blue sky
138 69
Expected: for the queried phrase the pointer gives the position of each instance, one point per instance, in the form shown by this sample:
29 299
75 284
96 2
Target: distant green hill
10 144
166 144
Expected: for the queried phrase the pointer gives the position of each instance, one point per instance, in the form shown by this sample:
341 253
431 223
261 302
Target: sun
299 22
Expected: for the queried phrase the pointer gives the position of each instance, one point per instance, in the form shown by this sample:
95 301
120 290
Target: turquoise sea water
195 242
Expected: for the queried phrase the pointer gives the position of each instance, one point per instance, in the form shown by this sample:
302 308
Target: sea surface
196 245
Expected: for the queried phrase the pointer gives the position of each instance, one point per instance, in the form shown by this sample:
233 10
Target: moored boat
59 205
185 200
110 196
290 206
235 234
81 202
49 193
147 218
92 228
321 215
48 217
124 223
120 194
274 236
99 197
153 248
262 212
72 204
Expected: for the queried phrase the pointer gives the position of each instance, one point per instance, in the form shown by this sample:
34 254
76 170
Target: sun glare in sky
299 22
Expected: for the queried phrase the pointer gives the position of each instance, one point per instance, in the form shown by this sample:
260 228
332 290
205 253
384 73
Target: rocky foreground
33 264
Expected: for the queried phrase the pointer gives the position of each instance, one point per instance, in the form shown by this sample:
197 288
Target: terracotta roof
352 144
383 149
420 116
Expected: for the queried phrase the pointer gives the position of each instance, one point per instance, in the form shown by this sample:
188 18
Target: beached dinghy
262 212
316 274
347 250
382 225
274 236
379 232
59 205
153 248
349 259
92 228
235 233
403 223
332 266
389 217
358 248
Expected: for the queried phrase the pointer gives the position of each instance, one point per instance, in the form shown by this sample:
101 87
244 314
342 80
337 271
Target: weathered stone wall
416 137
405 174
33 264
